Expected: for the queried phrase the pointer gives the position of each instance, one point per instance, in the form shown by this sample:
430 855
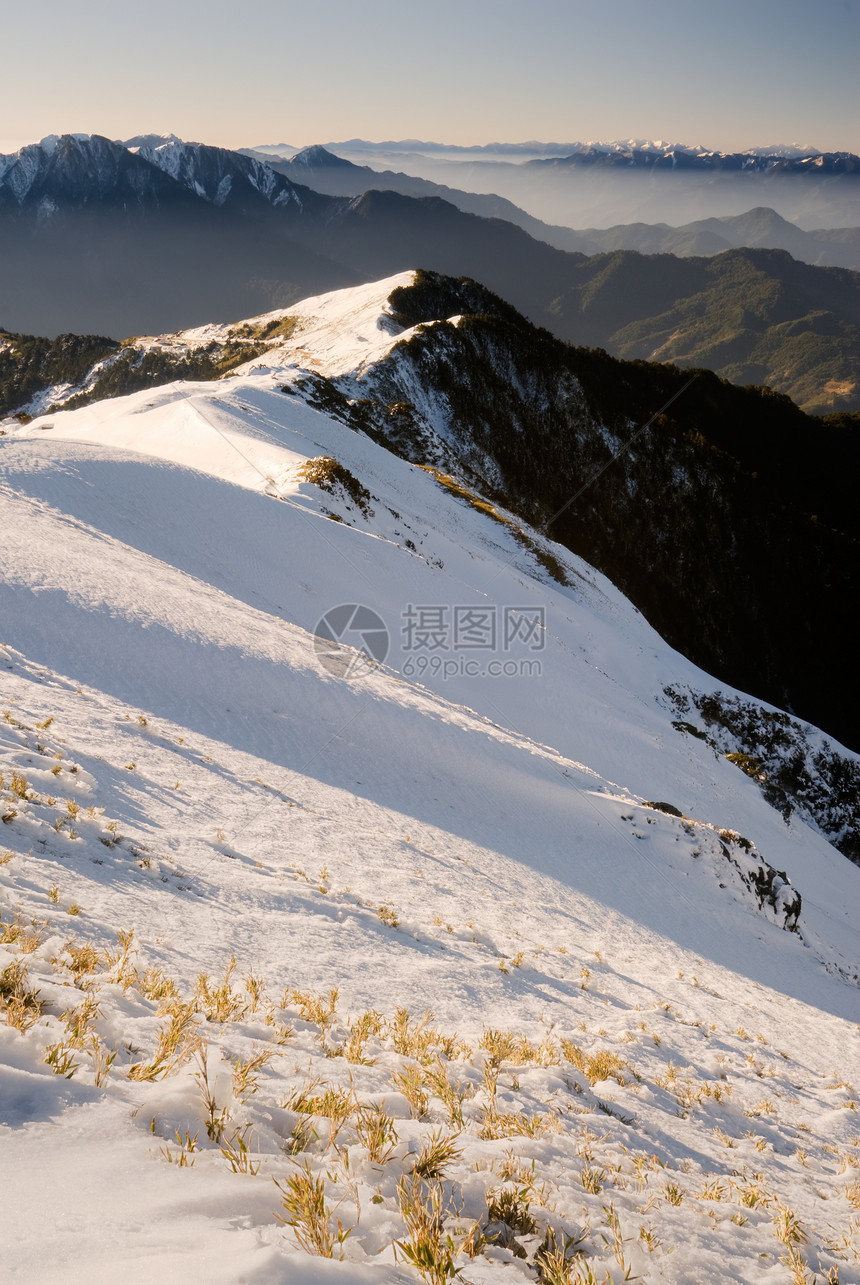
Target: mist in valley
577 196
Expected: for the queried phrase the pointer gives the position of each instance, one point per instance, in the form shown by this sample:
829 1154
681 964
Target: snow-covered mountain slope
71 170
212 172
642 1055
78 169
736 477
311 334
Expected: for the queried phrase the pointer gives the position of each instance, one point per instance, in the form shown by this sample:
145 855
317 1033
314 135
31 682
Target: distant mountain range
324 171
598 185
759 227
157 234
618 147
659 157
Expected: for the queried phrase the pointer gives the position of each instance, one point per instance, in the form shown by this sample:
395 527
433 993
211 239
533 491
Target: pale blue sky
728 75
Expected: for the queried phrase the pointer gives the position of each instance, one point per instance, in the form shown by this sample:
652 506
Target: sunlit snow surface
165 569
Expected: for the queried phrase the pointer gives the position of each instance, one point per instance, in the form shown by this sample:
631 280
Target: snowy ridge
93 166
588 899
656 149
212 171
793 150
338 333
76 168
660 156
535 147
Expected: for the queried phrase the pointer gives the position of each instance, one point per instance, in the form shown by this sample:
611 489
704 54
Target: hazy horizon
10 145
557 70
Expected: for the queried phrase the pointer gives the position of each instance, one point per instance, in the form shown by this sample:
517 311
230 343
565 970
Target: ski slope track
275 909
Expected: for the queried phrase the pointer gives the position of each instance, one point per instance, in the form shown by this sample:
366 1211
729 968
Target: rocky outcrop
771 888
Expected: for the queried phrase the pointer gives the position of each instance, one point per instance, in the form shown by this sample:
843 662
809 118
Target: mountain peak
74 168
317 156
85 168
152 140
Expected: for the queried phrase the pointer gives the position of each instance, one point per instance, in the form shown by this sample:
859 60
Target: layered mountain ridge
837 247
619 150
101 238
660 156
599 184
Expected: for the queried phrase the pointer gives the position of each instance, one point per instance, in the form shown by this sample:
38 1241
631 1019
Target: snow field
263 922
612 1088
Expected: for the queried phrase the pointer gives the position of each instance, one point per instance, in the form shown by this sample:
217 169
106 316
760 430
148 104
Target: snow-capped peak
152 141
214 172
93 166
